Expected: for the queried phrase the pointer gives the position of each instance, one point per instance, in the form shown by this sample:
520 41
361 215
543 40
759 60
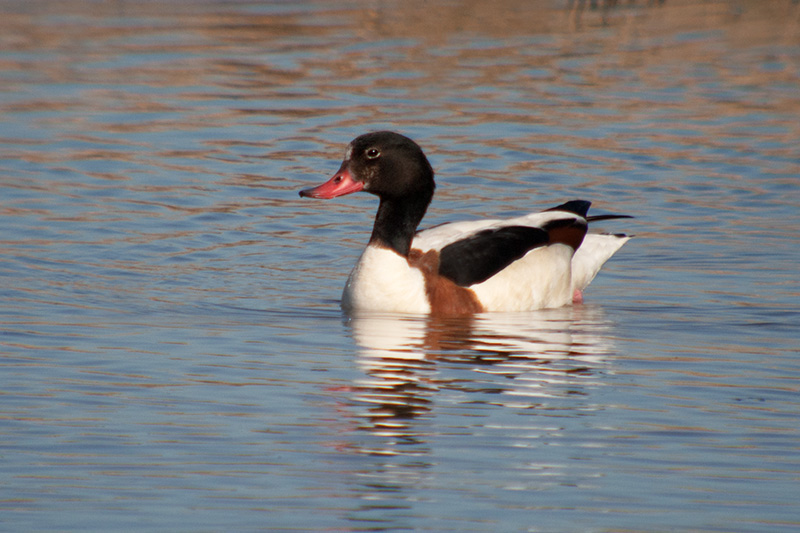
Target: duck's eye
373 153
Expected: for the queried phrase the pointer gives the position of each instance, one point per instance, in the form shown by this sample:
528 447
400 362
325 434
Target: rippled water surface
173 354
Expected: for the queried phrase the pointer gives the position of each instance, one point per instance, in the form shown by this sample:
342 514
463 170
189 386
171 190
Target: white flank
539 280
383 281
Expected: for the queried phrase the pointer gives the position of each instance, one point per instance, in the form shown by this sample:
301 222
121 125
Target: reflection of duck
399 381
549 353
536 261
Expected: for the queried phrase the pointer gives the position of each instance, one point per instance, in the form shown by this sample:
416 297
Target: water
173 356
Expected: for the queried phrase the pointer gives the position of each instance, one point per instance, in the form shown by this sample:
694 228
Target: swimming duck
535 261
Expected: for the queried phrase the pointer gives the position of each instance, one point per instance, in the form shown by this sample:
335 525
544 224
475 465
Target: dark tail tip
579 207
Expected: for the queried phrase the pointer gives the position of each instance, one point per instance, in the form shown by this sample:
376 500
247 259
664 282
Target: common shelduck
530 262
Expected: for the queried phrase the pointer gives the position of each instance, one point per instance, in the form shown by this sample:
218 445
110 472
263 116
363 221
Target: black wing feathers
484 254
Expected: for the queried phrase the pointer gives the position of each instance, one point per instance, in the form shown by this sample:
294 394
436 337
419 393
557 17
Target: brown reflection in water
525 360
424 51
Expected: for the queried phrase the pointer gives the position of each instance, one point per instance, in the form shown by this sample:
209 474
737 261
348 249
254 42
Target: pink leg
577 297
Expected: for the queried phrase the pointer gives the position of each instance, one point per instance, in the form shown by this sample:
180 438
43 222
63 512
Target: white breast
383 281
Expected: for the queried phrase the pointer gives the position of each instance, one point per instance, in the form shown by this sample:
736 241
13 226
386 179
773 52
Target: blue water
173 354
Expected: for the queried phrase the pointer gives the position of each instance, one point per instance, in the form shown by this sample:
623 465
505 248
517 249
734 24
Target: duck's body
531 262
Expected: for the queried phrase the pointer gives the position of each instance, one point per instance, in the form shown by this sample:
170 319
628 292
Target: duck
540 260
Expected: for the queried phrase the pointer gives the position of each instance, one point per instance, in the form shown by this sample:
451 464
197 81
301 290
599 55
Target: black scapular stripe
484 254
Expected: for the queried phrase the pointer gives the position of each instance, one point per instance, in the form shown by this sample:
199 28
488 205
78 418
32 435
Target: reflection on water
516 360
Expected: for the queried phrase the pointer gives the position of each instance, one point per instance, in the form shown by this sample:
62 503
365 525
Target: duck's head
386 164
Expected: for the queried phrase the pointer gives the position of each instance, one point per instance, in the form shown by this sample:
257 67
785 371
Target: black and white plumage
535 261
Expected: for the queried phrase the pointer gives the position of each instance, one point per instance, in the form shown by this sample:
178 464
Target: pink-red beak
340 184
